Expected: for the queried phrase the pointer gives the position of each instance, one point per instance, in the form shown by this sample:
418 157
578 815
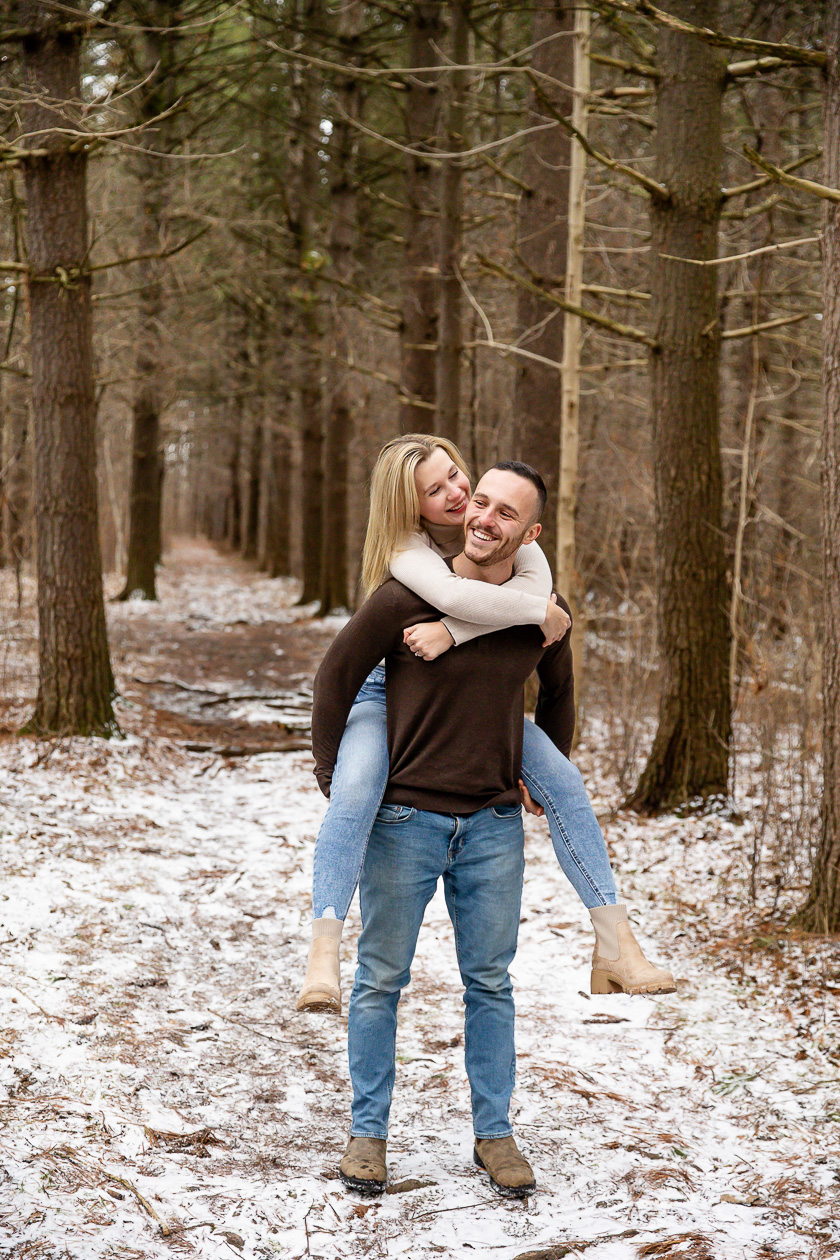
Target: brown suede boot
510 1172
363 1167
618 964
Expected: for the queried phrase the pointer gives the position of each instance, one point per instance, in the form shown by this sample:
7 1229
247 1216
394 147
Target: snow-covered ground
159 1096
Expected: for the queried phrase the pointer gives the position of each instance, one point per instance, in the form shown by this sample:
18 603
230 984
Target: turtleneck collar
449 539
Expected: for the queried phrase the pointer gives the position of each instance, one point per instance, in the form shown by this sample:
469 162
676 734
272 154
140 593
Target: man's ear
531 534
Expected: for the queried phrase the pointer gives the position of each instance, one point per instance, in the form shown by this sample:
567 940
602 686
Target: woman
419 493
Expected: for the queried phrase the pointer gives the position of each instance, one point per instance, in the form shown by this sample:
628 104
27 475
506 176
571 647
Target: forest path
161 1097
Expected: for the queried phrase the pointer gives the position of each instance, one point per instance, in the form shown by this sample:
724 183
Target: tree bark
233 506
338 420
568 578
542 242
16 487
821 912
278 472
451 221
154 52
75 683
250 525
419 323
690 755
309 367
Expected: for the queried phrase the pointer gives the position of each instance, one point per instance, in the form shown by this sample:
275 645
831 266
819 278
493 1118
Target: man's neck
495 574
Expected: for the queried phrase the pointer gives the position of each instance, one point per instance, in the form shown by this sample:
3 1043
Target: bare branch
457 156
621 330
628 67
162 253
751 253
631 295
650 185
503 174
505 349
751 331
740 189
643 48
791 181
759 65
789 53
750 212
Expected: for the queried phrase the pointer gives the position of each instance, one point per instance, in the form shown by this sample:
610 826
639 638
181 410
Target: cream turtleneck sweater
473 608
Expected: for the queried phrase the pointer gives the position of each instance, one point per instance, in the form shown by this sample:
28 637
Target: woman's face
443 490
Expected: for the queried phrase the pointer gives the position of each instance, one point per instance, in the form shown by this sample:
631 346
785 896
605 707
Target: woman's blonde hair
394 505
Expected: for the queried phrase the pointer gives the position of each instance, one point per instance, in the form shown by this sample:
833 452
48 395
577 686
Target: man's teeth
479 533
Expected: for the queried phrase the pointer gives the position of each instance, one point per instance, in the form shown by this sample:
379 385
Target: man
451 809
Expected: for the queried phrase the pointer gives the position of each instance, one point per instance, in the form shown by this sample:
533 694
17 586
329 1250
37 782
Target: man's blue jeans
480 857
361 773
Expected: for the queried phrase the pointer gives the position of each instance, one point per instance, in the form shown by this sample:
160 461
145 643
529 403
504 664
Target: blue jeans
480 857
357 788
358 785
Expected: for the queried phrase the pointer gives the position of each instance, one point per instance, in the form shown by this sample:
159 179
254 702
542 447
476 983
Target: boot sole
363 1185
601 983
507 1192
319 1001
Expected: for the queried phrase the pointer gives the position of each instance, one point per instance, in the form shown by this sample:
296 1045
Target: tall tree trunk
690 754
338 420
250 525
75 683
568 578
542 241
155 54
419 324
278 474
233 507
310 395
451 222
16 488
821 912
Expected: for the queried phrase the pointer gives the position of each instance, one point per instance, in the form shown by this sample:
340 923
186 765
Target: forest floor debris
159 1096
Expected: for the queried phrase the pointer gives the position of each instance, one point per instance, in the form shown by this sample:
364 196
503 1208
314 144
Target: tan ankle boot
618 964
363 1167
321 991
510 1172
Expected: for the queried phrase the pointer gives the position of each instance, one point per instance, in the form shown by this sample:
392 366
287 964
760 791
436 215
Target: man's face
500 517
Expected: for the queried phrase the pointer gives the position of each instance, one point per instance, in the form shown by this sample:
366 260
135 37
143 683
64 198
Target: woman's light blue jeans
480 858
358 785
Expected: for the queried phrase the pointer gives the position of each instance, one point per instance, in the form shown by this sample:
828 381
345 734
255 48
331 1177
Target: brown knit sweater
454 724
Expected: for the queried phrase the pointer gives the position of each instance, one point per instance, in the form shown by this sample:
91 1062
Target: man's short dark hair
530 474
